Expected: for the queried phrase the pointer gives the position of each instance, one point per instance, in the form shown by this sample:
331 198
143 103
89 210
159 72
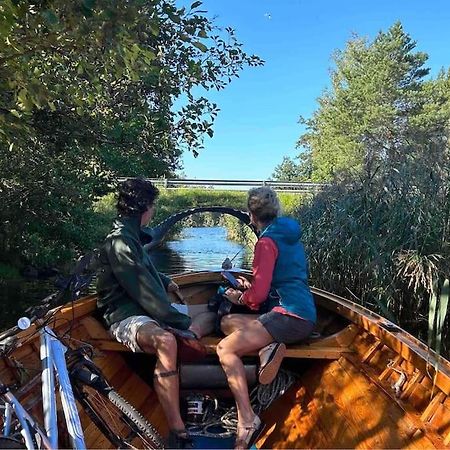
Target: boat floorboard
131 387
335 405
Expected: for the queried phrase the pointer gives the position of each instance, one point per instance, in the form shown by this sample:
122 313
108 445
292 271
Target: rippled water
202 248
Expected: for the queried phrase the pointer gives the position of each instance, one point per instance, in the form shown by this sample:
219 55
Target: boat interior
359 382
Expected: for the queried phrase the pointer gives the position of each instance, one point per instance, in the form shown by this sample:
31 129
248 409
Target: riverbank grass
172 201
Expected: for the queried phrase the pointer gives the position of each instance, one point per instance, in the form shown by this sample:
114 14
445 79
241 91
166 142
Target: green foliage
436 316
381 234
8 273
384 240
172 201
376 95
87 92
291 202
289 170
381 244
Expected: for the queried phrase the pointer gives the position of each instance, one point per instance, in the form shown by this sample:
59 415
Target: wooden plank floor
334 405
130 386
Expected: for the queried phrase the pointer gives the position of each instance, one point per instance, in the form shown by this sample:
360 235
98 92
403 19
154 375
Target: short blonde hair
263 203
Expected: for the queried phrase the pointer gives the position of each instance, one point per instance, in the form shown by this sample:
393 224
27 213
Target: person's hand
172 287
233 295
243 283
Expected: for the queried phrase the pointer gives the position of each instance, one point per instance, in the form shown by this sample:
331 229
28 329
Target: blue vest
290 275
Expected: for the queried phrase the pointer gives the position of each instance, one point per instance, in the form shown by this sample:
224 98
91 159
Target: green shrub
382 242
8 272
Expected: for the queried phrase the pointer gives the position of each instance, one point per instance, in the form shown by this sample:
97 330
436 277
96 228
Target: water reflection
202 248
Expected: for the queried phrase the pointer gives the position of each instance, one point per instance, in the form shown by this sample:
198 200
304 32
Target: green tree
289 170
376 91
380 234
87 92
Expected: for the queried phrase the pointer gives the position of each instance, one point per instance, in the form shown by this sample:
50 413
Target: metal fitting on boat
199 406
398 385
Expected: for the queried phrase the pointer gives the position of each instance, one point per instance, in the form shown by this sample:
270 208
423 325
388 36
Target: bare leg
152 338
230 350
203 323
233 322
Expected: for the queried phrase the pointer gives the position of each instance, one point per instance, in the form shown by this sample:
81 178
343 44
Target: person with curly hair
133 299
282 302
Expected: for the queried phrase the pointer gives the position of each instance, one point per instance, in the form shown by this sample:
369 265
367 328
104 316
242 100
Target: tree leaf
154 28
50 17
200 46
89 4
174 17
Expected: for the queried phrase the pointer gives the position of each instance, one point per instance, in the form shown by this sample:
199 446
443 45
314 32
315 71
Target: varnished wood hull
364 384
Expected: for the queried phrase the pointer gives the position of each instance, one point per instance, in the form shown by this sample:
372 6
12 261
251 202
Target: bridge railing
286 186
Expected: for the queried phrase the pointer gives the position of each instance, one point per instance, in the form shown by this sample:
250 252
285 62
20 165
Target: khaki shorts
126 330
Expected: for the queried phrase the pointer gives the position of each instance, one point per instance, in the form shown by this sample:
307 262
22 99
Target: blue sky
258 121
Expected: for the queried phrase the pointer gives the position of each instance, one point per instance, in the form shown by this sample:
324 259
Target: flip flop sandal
271 357
252 434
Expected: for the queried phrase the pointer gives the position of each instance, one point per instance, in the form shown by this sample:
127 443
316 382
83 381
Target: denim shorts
285 328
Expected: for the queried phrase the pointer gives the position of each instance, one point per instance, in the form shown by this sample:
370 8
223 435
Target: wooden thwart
325 348
293 351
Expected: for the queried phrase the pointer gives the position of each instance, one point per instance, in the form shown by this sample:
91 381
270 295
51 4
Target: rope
261 397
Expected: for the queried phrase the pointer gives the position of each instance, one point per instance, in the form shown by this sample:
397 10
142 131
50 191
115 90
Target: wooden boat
363 383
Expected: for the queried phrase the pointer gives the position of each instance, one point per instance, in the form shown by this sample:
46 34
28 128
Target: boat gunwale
374 324
425 358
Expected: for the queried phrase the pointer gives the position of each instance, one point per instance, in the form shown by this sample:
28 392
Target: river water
201 248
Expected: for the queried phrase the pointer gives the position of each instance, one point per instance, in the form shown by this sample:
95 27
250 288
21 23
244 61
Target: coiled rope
261 397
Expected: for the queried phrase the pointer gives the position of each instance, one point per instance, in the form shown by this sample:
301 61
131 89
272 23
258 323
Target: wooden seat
329 347
98 336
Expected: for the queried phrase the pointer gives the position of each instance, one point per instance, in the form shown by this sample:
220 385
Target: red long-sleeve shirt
264 258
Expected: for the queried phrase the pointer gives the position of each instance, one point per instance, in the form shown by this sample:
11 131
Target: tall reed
384 241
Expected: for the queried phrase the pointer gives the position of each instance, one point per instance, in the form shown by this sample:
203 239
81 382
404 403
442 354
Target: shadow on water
202 248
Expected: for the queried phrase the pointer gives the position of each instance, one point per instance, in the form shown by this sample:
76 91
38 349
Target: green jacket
128 283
